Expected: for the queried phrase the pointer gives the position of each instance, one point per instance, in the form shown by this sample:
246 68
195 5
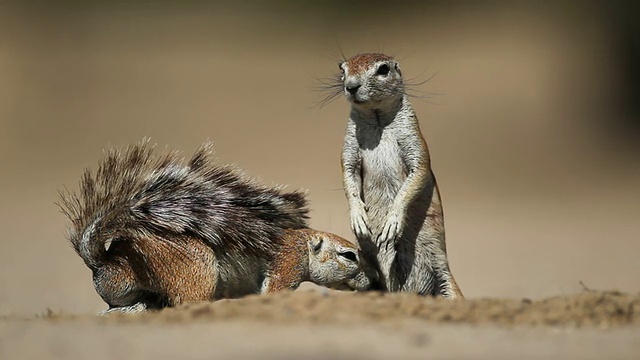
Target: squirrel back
135 195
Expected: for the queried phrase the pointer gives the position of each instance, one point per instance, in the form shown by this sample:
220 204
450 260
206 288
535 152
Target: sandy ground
539 178
322 324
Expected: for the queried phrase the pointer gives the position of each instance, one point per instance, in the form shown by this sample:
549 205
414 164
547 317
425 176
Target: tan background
533 136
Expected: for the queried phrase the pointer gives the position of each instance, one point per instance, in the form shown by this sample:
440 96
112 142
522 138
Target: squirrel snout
352 87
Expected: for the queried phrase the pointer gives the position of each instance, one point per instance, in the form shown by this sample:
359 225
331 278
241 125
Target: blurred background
534 128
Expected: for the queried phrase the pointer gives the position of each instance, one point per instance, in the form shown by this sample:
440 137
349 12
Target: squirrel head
336 263
371 80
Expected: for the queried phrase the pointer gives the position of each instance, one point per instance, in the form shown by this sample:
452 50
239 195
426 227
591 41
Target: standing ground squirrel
157 232
394 202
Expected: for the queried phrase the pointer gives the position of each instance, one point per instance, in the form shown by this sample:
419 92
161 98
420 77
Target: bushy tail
134 194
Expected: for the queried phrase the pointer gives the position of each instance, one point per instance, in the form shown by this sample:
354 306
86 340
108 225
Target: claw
359 224
391 230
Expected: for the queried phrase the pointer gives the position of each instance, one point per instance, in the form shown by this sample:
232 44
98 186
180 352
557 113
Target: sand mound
588 309
327 324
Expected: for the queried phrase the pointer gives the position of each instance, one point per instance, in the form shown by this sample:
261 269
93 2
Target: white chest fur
383 172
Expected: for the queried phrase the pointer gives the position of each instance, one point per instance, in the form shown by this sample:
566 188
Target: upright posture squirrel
395 207
157 232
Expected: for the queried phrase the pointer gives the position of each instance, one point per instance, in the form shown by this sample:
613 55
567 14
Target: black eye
383 70
350 255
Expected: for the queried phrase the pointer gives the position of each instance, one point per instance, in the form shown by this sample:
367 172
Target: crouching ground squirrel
395 208
158 232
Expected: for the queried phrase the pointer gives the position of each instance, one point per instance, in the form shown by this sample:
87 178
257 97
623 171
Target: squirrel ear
397 66
316 244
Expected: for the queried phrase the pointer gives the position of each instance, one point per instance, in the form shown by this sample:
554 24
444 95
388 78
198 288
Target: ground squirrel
394 202
157 232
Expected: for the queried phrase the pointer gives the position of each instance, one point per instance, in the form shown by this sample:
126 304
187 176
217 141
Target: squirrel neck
383 114
290 264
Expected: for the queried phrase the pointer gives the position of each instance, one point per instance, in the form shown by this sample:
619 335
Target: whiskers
411 88
331 88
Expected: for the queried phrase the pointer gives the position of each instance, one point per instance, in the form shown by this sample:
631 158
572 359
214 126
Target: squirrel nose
352 89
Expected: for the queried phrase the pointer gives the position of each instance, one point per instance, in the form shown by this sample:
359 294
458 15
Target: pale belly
383 173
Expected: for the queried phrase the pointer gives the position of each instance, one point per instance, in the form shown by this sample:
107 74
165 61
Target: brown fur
361 62
157 231
165 273
290 263
176 272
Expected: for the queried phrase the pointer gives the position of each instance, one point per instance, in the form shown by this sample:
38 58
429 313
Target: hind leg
455 289
446 283
429 272
414 275
449 289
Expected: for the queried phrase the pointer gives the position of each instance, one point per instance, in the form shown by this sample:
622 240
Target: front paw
359 222
392 228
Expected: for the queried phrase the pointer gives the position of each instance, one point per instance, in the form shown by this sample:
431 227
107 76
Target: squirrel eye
383 70
350 255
